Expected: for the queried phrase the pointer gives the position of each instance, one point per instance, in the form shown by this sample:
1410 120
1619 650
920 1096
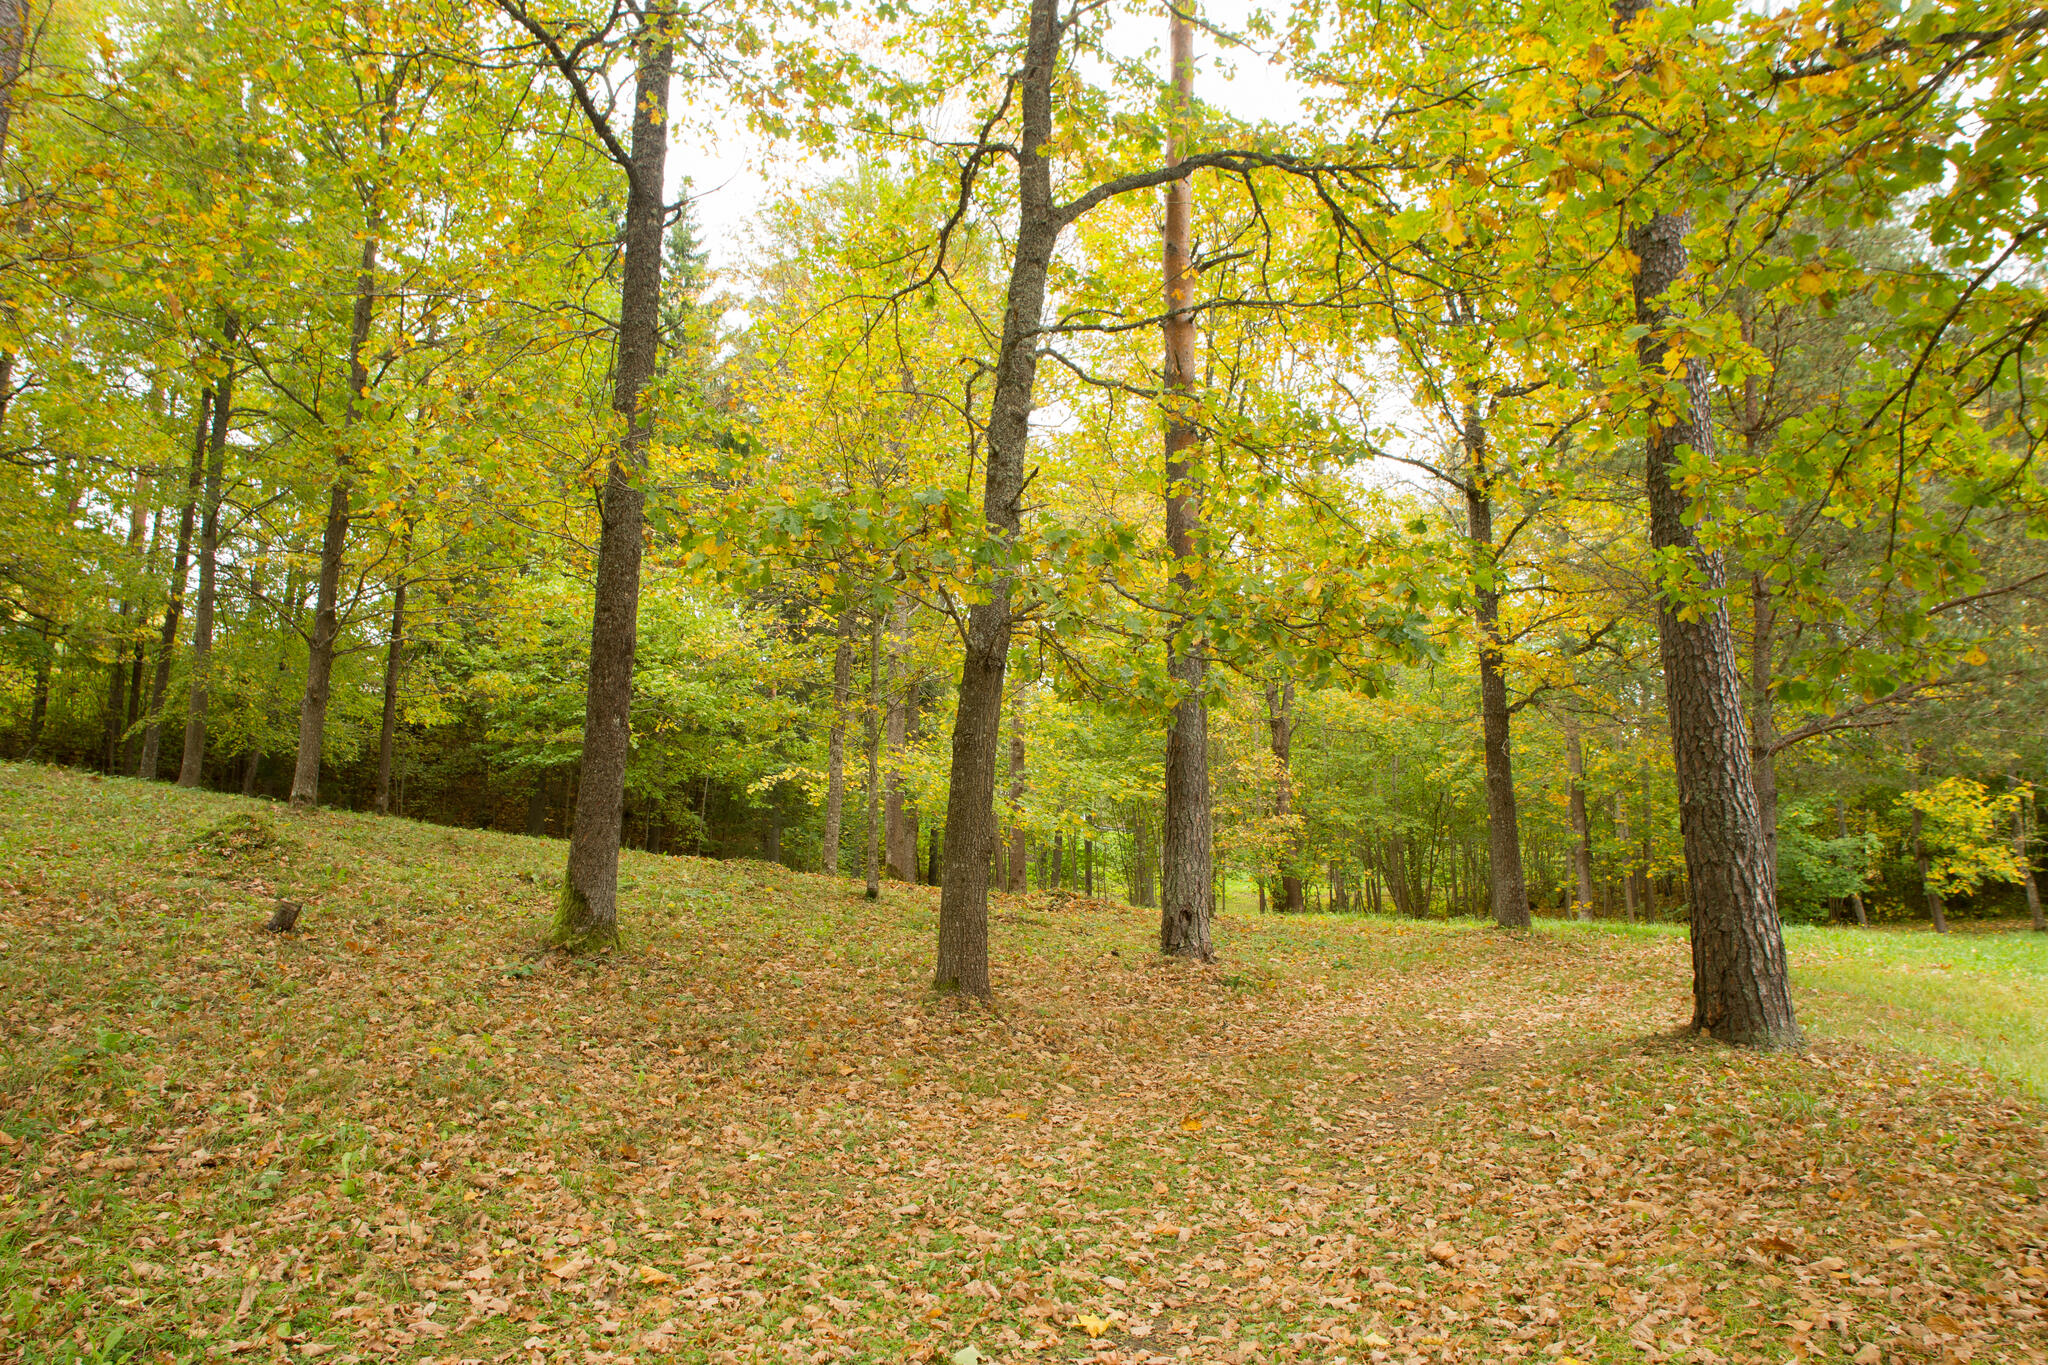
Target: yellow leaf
1191 1125
1092 1325
649 1275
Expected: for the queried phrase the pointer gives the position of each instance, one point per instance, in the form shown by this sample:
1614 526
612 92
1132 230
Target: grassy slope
754 1134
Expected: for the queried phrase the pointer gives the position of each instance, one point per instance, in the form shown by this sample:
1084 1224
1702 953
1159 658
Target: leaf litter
755 1134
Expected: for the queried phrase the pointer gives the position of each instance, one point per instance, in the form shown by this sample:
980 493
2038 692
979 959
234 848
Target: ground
753 1133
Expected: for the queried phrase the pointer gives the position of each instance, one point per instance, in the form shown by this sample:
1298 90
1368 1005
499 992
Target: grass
753 1133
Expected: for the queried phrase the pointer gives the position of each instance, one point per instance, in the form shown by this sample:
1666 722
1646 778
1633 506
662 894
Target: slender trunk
249 769
874 716
1507 888
1141 857
899 830
2022 813
588 916
1280 713
1059 860
334 542
1088 869
536 807
1187 856
191 768
971 831
1020 844
174 607
931 876
835 762
1856 897
1741 986
1628 874
1936 906
39 697
125 679
1582 834
387 732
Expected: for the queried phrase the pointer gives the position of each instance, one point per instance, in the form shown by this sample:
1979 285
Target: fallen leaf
1092 1325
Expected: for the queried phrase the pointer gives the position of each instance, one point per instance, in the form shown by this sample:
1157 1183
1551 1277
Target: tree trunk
174 607
387 731
1020 843
899 832
1280 713
835 762
249 770
1088 869
1582 833
588 916
962 957
1741 987
1187 872
1628 874
1140 822
932 865
1508 890
1936 906
334 544
121 701
191 768
874 719
536 807
2022 845
1856 897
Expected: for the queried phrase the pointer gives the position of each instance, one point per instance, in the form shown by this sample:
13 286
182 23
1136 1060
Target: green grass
1977 996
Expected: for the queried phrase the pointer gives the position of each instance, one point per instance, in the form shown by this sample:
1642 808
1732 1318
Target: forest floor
754 1134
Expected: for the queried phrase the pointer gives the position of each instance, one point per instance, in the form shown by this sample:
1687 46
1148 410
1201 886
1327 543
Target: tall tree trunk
971 831
536 807
1088 869
1936 906
1628 874
1741 986
1508 889
835 762
1059 860
899 838
1140 823
121 703
1856 897
334 543
192 766
874 712
2023 845
1020 843
387 732
588 916
174 607
1280 714
1582 832
1187 872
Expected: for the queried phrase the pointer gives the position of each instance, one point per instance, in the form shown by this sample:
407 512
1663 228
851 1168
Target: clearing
754 1134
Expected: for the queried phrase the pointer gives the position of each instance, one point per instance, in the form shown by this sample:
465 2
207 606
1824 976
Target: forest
1393 493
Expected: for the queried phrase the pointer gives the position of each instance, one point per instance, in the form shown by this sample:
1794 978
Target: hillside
754 1134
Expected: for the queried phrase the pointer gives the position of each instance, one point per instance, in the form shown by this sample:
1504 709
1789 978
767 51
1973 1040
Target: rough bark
835 761
191 768
387 731
1582 834
971 830
1280 720
1507 888
1741 988
174 607
588 915
334 544
1937 907
1187 873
